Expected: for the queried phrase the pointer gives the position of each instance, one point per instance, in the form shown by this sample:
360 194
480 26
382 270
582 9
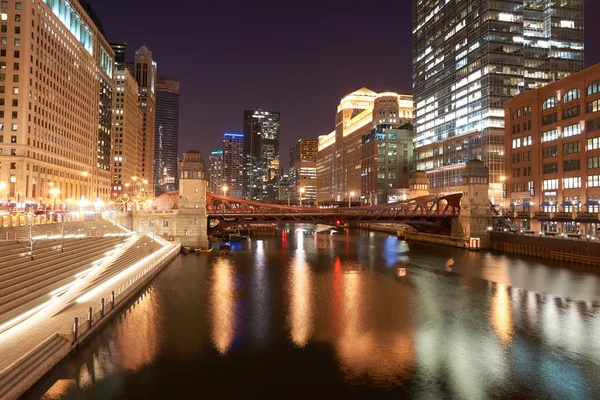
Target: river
303 315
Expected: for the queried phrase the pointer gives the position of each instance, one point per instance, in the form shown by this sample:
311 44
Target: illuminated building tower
215 162
56 89
145 76
468 59
303 170
120 50
261 154
233 165
166 135
127 134
387 155
339 158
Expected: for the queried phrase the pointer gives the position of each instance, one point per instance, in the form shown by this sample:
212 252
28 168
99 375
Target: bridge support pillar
475 220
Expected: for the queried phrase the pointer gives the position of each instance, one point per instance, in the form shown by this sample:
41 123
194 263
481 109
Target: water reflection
329 306
300 295
502 313
222 305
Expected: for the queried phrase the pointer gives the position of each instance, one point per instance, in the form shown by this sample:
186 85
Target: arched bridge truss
426 214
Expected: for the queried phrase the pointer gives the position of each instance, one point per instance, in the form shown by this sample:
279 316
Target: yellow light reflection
501 314
143 318
300 316
223 306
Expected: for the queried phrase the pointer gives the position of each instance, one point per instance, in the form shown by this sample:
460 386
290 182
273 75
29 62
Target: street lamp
224 188
301 190
350 199
85 175
2 188
145 182
54 192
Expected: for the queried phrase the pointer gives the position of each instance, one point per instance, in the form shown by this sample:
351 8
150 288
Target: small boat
224 249
235 237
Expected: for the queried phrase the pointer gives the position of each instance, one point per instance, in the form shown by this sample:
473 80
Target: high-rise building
261 154
339 158
303 170
120 50
468 59
56 88
387 155
284 187
553 155
233 164
166 137
127 135
215 162
145 76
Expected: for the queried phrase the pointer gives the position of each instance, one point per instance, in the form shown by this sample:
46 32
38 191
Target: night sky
299 60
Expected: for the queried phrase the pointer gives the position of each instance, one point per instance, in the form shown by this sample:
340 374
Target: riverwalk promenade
51 303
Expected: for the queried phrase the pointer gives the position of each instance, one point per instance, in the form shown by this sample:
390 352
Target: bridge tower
475 212
418 184
191 213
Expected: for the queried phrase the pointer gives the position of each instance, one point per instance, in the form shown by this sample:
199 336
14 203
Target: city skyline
298 67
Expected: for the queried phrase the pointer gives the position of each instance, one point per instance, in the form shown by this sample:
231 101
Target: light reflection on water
332 307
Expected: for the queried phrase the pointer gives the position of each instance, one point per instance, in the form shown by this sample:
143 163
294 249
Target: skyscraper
56 88
468 59
215 167
233 164
261 154
303 170
120 50
127 135
166 136
145 76
339 160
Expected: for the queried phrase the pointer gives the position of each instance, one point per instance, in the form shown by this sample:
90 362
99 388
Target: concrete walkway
57 317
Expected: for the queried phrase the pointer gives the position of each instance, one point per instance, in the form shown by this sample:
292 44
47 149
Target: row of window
571 95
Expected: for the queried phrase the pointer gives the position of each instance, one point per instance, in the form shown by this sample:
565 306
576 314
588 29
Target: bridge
429 214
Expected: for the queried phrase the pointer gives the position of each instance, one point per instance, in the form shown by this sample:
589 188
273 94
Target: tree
62 227
30 239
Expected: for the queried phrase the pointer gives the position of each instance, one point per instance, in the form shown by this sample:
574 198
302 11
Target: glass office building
469 57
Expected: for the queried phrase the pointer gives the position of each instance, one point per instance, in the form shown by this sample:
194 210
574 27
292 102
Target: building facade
261 154
145 76
233 165
471 57
166 135
56 88
387 155
127 135
339 158
553 154
215 171
303 171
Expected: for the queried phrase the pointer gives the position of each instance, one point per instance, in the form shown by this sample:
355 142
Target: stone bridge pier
180 215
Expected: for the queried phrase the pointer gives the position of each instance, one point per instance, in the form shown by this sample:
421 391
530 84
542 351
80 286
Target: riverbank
31 349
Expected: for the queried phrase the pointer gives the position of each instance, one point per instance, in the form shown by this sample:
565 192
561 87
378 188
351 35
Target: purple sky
297 59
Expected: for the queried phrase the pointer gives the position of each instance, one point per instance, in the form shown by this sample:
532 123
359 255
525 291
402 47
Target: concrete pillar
475 220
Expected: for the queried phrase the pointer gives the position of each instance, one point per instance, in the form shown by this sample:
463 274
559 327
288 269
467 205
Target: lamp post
145 182
503 183
2 188
224 188
54 192
301 190
350 199
134 179
85 174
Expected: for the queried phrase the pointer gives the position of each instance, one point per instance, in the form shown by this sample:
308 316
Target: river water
316 315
